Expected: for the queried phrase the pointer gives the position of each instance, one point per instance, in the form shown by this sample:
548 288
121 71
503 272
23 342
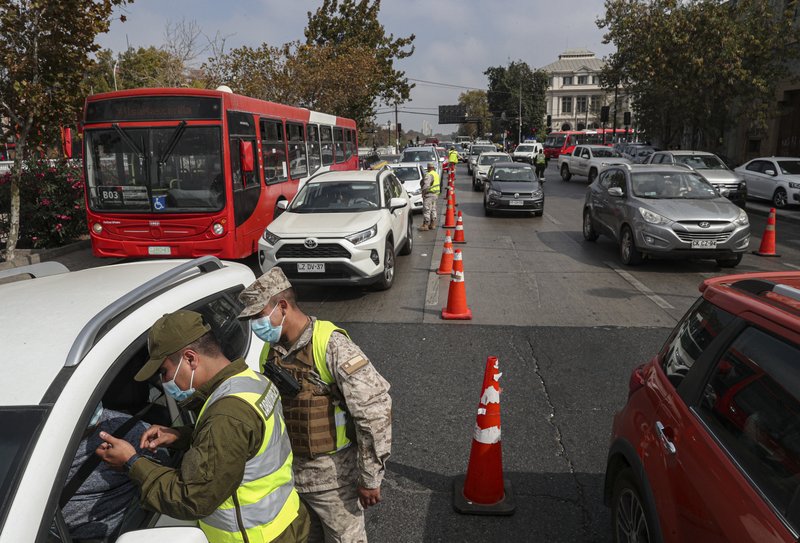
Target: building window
583 79
566 104
595 103
595 80
567 81
581 104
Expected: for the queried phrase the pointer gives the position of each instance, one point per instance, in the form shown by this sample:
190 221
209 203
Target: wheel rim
780 199
388 266
631 522
627 242
587 225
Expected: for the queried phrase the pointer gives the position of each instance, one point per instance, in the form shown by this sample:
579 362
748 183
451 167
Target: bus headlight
218 229
97 228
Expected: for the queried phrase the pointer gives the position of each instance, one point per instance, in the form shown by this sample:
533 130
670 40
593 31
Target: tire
628 253
631 518
589 233
387 278
780 199
565 175
408 246
486 210
592 175
729 262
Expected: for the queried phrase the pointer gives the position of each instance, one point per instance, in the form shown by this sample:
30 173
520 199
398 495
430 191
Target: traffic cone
459 237
456 308
484 491
768 239
452 196
446 262
453 174
450 217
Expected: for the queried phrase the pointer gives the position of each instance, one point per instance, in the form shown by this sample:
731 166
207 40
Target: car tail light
636 381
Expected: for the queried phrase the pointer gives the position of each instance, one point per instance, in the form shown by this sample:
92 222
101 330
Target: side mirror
616 192
282 205
397 203
175 534
770 172
246 156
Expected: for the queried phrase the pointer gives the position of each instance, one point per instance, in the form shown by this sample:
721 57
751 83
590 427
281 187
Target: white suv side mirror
177 534
397 203
769 172
282 204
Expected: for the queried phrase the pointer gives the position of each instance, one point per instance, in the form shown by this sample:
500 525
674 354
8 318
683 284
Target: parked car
512 186
526 152
638 153
664 211
776 179
341 228
410 174
423 155
588 160
482 165
707 447
729 183
73 339
475 150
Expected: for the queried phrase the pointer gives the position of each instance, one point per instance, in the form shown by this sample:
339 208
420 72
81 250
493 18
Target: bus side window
326 135
338 137
273 147
298 166
314 150
348 146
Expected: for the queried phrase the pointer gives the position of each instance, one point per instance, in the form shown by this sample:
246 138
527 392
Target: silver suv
729 183
664 211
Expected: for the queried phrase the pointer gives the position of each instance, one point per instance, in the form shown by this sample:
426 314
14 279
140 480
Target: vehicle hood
412 185
514 186
720 176
302 225
693 210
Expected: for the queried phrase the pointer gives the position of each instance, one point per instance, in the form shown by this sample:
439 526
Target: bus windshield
155 170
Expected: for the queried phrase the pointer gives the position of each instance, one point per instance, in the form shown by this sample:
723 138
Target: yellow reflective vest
435 184
266 502
453 156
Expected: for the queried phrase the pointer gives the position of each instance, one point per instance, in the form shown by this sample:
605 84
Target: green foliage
477 108
705 66
135 68
517 83
52 211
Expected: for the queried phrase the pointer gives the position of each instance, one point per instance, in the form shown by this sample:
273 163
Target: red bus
189 172
562 143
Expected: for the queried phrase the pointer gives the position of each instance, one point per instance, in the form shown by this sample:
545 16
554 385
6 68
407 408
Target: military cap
168 335
431 165
256 296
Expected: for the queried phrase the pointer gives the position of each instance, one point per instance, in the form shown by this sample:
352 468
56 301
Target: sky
456 40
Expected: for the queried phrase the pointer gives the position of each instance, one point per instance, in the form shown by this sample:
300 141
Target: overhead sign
452 114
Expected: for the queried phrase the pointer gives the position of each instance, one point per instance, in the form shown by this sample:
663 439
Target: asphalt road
568 323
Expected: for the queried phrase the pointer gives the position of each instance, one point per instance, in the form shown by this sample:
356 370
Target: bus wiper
173 141
127 139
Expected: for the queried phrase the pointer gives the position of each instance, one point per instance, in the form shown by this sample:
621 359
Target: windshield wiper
127 139
173 141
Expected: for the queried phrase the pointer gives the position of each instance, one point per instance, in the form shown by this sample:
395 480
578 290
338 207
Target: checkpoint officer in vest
452 156
235 477
336 405
430 187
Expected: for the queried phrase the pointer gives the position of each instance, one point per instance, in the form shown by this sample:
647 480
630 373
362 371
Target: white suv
73 339
527 151
341 228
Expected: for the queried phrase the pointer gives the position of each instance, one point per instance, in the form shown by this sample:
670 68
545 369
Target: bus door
245 179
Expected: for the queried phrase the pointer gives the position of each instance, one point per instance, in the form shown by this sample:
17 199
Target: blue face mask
98 412
265 330
174 390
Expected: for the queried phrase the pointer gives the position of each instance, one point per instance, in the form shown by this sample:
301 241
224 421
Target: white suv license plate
516 203
311 267
704 244
154 250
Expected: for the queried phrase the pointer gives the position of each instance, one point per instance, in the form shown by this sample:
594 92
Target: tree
705 65
517 87
44 48
259 73
477 108
354 23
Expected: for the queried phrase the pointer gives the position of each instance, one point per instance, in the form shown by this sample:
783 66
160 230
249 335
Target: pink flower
59 227
46 202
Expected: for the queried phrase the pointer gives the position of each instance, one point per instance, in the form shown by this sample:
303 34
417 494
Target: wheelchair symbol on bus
159 203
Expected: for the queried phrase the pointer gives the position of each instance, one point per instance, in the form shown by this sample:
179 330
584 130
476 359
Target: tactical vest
315 419
453 157
266 502
435 185
540 159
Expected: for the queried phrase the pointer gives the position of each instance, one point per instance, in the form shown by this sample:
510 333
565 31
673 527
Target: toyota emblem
704 224
310 243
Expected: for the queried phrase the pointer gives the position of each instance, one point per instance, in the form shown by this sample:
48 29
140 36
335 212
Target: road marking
641 287
792 266
551 218
432 294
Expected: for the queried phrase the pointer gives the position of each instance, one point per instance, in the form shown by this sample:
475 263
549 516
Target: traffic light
604 114
400 128
549 121
626 118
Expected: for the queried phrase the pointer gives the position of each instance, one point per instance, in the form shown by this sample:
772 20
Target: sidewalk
26 257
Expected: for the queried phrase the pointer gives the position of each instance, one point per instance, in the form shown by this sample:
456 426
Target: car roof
421 148
666 168
348 175
519 165
406 165
775 158
682 152
494 153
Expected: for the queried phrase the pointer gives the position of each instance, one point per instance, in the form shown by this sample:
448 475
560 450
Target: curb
764 212
44 254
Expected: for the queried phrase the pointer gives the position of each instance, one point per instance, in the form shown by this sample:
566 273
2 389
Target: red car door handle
668 445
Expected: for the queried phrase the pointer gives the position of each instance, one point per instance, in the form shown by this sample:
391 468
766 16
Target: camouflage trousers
336 516
429 208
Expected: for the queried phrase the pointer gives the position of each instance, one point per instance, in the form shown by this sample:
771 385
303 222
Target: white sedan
341 228
410 175
776 179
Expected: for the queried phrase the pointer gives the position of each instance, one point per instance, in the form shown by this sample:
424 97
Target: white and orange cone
446 262
456 308
767 247
459 235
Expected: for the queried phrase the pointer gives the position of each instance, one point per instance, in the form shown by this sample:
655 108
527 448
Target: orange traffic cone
446 262
768 239
459 237
484 491
450 216
457 295
453 174
452 196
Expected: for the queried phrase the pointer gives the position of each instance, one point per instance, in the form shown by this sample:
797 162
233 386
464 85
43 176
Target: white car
527 151
475 150
422 155
341 228
410 174
481 167
73 339
776 179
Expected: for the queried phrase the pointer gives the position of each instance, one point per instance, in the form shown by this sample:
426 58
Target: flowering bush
52 210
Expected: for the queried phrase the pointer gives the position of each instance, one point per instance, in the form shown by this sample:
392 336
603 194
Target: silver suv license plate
704 244
311 267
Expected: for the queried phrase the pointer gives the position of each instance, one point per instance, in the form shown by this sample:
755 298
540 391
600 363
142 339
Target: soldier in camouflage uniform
338 412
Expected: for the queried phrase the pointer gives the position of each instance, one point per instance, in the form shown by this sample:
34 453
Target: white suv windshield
418 156
525 149
340 197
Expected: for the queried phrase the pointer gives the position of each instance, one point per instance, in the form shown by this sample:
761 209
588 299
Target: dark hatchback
513 186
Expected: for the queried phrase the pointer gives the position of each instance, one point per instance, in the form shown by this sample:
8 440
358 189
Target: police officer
336 405
540 162
235 477
452 156
430 186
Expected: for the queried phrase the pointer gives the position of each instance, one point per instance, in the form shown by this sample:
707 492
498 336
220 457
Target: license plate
159 250
704 244
308 267
516 203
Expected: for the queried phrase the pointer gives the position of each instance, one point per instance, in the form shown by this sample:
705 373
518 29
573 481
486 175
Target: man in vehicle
235 477
540 162
336 405
430 191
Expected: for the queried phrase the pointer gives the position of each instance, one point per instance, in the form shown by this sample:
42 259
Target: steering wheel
365 201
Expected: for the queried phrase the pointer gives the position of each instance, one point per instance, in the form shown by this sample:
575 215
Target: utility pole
519 134
396 131
616 88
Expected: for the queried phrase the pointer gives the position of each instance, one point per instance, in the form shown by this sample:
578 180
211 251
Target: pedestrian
540 161
431 187
336 405
235 477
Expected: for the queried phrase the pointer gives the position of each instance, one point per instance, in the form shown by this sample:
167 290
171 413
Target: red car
707 447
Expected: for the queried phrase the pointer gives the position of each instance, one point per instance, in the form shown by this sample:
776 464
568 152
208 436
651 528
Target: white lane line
432 294
641 287
551 218
792 266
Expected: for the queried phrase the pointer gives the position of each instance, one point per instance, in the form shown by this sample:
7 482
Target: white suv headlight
364 235
269 237
652 218
742 219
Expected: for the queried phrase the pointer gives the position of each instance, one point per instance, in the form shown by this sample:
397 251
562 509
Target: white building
574 96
